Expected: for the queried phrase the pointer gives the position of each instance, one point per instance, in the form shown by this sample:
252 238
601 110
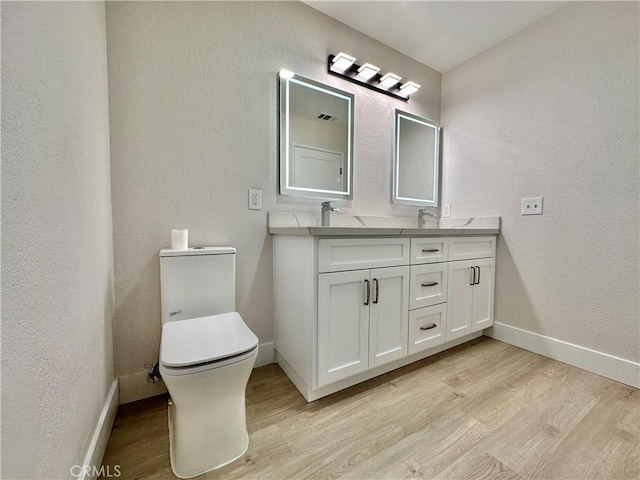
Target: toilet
206 356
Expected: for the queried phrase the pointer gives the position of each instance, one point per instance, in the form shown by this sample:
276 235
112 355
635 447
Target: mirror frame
395 193
284 142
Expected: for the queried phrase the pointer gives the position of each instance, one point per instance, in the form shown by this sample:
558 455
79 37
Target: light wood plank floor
481 410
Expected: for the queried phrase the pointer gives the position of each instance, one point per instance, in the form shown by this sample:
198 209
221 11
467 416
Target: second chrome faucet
327 209
421 214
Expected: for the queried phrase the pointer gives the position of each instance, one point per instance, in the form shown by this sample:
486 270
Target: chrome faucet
326 211
421 214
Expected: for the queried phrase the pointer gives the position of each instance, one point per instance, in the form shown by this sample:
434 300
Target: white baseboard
615 368
266 355
136 386
98 445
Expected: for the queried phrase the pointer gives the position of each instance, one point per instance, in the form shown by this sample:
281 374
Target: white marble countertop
299 223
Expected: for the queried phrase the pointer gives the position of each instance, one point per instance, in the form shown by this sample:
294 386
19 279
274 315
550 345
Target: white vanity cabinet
348 309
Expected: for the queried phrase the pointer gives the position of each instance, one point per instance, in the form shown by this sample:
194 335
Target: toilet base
190 474
207 420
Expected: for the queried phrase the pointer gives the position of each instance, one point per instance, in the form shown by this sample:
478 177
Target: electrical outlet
255 199
446 210
531 206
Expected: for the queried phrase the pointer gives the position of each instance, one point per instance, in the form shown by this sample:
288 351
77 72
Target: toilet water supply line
154 373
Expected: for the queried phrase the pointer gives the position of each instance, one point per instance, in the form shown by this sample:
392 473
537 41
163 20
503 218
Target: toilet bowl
205 363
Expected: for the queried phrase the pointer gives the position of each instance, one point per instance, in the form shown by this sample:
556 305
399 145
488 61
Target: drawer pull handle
375 281
366 302
478 280
433 325
431 284
430 250
473 276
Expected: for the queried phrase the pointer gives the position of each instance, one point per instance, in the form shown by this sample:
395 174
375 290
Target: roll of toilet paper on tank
180 239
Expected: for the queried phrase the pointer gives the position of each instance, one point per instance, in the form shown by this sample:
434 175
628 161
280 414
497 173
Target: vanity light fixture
367 71
389 80
409 88
342 61
366 75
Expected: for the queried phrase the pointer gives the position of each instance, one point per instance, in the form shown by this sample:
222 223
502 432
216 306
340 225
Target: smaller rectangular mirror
416 161
316 139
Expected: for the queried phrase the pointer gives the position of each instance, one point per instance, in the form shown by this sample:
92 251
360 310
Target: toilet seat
174 371
207 342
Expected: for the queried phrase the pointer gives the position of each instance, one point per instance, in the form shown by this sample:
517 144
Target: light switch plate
531 206
446 210
255 199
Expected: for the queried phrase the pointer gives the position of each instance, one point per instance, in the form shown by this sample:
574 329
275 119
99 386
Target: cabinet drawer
471 247
428 285
336 255
427 327
429 250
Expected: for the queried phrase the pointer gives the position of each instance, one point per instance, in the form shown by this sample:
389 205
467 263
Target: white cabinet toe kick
349 309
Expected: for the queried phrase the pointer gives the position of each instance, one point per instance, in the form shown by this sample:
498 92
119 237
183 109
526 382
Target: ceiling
439 34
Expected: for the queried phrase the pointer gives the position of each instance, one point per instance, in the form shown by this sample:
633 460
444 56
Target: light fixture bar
389 84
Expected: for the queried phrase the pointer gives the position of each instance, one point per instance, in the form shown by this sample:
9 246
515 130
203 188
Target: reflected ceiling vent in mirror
366 75
327 117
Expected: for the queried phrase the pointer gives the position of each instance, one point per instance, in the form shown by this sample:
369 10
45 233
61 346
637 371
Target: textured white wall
553 111
193 109
57 255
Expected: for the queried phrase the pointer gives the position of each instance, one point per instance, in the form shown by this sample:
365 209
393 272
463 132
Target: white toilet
206 356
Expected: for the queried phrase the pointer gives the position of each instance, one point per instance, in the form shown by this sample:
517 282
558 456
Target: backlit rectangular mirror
416 161
316 139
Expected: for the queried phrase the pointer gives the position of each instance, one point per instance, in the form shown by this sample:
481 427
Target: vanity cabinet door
460 299
389 315
483 293
344 300
470 302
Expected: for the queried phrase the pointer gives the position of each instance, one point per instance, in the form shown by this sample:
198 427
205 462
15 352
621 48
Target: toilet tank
197 282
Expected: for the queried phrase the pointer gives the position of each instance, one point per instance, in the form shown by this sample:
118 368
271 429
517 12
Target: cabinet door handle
433 325
478 281
431 284
473 275
430 250
366 302
375 281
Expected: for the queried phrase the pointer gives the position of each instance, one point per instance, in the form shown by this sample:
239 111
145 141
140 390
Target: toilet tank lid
167 252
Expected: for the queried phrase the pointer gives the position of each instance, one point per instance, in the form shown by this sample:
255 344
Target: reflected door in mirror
317 168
